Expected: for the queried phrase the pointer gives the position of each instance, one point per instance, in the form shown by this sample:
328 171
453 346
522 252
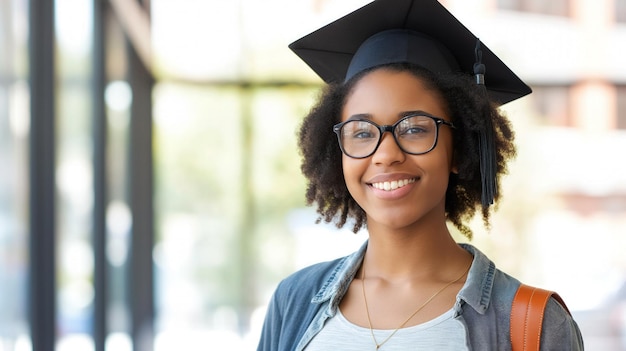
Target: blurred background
150 191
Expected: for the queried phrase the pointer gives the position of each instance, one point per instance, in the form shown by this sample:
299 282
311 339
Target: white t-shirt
442 333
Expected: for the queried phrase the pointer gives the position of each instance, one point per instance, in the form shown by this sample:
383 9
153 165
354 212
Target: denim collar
476 292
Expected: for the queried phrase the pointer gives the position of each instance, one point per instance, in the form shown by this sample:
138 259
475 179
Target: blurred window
620 11
621 107
118 97
74 172
14 130
220 201
552 7
552 103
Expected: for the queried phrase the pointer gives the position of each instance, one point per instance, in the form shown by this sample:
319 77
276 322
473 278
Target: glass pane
228 177
553 7
621 107
118 98
74 172
552 105
513 5
198 171
620 11
14 130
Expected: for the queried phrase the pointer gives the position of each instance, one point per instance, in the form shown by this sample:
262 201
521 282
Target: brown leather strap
527 311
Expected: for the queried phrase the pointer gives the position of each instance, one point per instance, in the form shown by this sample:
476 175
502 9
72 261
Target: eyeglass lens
414 135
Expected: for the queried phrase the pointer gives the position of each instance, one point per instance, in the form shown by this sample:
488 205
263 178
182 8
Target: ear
453 165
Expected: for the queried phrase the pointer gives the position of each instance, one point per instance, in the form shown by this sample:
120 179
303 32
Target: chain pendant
367 310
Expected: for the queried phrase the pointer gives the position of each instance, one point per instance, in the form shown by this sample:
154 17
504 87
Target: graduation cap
422 32
417 31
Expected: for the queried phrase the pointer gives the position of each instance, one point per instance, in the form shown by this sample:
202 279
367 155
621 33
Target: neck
415 253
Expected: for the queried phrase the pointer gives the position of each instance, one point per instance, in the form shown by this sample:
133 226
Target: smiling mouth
393 185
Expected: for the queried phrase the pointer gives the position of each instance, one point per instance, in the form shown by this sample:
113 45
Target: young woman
403 140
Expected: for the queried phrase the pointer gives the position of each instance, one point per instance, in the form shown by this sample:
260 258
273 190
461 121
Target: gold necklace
369 320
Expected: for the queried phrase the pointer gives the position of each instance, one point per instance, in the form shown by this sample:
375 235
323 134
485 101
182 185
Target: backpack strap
527 312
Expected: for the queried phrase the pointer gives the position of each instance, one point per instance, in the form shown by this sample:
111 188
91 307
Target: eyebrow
360 116
416 112
369 116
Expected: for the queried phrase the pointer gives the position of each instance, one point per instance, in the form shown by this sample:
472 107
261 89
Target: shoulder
323 280
311 274
309 280
491 293
559 329
290 309
487 290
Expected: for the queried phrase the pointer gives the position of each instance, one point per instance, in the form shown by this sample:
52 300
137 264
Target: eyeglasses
415 134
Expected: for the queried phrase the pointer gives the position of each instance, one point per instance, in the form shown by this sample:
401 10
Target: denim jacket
304 301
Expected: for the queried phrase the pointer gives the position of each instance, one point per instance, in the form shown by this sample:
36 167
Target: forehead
386 94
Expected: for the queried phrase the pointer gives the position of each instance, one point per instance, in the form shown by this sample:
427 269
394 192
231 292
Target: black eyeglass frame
391 129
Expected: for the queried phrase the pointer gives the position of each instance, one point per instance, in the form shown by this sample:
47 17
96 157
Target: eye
359 130
415 127
364 134
415 130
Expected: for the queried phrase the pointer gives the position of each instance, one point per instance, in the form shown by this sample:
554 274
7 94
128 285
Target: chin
397 219
394 221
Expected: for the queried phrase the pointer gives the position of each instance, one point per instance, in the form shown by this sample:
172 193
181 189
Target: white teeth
393 185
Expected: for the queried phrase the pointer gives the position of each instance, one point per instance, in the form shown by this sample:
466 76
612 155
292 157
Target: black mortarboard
436 36
416 31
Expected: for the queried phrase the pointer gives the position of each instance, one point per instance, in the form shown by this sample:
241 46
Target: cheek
447 148
347 168
352 172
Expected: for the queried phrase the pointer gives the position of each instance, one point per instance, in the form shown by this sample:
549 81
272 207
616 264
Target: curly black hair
471 112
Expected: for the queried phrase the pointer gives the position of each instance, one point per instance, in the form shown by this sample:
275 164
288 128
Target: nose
388 151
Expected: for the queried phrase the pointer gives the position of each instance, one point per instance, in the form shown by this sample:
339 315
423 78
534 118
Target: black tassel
488 168
479 67
486 146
